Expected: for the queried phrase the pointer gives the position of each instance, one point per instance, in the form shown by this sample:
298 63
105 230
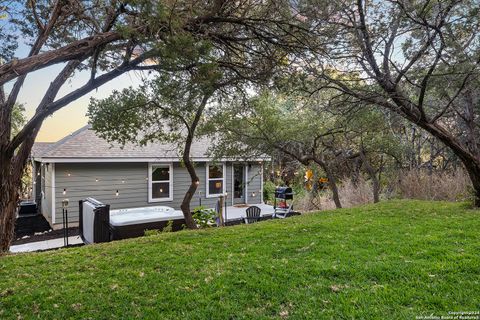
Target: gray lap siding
46 191
254 184
76 181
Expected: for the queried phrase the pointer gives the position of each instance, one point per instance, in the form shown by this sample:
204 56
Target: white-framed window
160 182
215 180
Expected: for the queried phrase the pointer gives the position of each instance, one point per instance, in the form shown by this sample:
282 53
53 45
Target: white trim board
232 183
261 183
34 181
150 181
224 179
245 180
245 183
127 160
53 194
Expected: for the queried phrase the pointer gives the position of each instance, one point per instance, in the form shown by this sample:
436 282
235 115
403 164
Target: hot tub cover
125 217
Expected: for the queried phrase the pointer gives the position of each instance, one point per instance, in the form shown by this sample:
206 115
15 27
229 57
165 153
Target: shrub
268 191
168 227
204 217
151 232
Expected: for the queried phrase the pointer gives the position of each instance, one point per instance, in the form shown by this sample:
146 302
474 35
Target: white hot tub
133 222
125 217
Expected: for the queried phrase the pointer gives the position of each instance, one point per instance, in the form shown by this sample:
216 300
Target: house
84 165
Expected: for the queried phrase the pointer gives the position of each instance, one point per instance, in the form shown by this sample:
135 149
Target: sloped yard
398 259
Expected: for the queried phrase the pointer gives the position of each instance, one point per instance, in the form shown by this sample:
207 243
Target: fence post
65 221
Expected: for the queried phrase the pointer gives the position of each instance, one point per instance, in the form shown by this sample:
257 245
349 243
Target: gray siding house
84 165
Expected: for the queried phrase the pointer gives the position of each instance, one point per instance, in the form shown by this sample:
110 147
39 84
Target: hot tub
131 223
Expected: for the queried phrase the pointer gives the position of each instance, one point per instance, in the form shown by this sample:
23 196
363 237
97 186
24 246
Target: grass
394 260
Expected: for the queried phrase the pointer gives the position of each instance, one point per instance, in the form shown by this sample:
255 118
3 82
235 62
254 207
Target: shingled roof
85 144
40 147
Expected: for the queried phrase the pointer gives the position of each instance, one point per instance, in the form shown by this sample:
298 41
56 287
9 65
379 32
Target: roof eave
139 159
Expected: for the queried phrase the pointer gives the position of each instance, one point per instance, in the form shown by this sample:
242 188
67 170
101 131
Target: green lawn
394 260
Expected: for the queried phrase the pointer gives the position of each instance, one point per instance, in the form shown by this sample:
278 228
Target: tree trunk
357 164
469 160
373 176
474 174
185 206
8 205
333 186
12 168
332 183
9 187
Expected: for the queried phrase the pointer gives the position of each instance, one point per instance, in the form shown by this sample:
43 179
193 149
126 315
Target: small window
160 183
215 180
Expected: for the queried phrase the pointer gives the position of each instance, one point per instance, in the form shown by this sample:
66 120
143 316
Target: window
215 180
160 182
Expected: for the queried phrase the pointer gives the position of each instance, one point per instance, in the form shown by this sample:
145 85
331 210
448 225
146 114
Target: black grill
285 193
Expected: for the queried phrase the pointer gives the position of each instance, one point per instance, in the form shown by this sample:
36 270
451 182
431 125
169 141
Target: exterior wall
79 182
37 186
45 189
254 181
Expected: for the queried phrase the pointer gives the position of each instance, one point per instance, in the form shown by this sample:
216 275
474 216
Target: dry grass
309 202
354 195
350 196
418 184
415 184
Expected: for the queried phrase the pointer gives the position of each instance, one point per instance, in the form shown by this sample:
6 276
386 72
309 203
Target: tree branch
74 50
48 109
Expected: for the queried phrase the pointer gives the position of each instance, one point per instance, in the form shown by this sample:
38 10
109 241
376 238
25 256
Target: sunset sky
71 117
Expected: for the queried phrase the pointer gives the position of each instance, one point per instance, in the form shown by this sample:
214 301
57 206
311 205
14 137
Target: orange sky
71 117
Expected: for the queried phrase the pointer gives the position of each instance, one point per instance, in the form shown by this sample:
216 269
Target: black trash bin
27 208
94 221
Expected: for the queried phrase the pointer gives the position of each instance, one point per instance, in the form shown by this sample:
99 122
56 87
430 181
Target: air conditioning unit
94 221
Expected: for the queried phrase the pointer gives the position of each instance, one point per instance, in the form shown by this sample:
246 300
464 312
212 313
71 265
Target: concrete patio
44 245
238 212
231 213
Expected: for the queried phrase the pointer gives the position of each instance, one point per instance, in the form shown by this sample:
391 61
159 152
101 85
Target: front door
238 184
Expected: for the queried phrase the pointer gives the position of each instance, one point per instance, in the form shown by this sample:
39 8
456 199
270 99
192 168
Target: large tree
340 139
173 106
109 38
168 109
419 59
270 123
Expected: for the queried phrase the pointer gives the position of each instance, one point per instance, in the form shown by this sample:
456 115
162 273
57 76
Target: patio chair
253 214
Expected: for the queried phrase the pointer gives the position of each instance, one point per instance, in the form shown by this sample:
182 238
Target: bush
151 232
168 227
204 217
268 191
